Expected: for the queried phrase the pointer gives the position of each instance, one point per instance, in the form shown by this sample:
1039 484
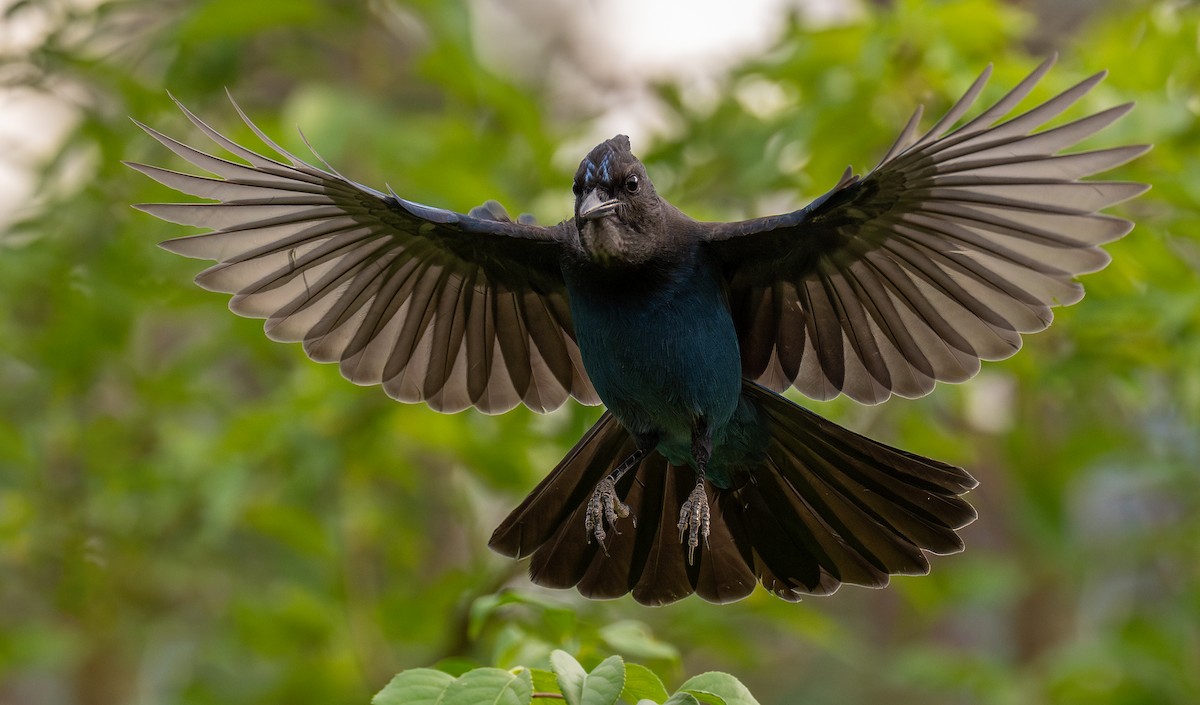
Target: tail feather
575 558
824 506
611 575
918 516
564 491
881 509
725 573
788 569
921 486
863 548
661 574
788 531
914 498
647 559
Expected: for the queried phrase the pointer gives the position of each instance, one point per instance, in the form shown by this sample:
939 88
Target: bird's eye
632 184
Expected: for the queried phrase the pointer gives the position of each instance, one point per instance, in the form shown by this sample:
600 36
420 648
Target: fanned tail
647 559
829 506
824 506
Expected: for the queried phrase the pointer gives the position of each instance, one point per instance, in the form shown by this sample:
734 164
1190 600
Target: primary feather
943 255
451 309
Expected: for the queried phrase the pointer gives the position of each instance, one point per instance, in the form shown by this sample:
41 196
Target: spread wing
951 248
451 309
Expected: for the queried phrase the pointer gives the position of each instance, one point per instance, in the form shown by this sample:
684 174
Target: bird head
617 211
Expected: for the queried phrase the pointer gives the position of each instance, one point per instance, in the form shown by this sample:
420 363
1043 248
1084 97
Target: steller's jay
700 477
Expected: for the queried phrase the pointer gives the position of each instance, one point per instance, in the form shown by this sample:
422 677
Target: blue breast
660 348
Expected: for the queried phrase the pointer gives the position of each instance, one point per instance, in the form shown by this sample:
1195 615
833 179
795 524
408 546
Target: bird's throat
604 240
609 242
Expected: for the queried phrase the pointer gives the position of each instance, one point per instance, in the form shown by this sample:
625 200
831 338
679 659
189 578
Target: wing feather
958 242
451 309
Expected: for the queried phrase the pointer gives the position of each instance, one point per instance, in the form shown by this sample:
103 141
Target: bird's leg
604 506
694 514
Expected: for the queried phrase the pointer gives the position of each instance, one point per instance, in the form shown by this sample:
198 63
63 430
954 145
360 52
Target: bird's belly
663 364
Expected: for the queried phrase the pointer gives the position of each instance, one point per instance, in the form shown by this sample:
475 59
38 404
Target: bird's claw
604 508
694 519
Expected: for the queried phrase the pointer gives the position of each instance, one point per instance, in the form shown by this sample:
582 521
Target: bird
700 477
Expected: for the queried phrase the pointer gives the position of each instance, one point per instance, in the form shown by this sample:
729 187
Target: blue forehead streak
590 169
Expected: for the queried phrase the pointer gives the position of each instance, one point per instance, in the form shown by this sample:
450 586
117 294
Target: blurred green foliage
192 514
611 681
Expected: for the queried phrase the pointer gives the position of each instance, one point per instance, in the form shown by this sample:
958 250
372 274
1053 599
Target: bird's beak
594 206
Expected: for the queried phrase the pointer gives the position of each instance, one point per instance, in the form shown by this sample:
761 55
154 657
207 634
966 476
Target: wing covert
943 255
457 310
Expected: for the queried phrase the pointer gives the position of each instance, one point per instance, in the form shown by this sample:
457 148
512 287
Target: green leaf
482 686
600 687
682 698
729 689
604 684
706 697
570 676
633 639
418 686
642 684
543 681
490 686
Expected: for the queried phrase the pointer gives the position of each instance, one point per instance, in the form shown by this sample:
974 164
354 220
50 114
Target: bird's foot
604 508
694 519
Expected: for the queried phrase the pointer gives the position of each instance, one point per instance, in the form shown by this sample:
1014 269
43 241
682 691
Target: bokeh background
191 514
